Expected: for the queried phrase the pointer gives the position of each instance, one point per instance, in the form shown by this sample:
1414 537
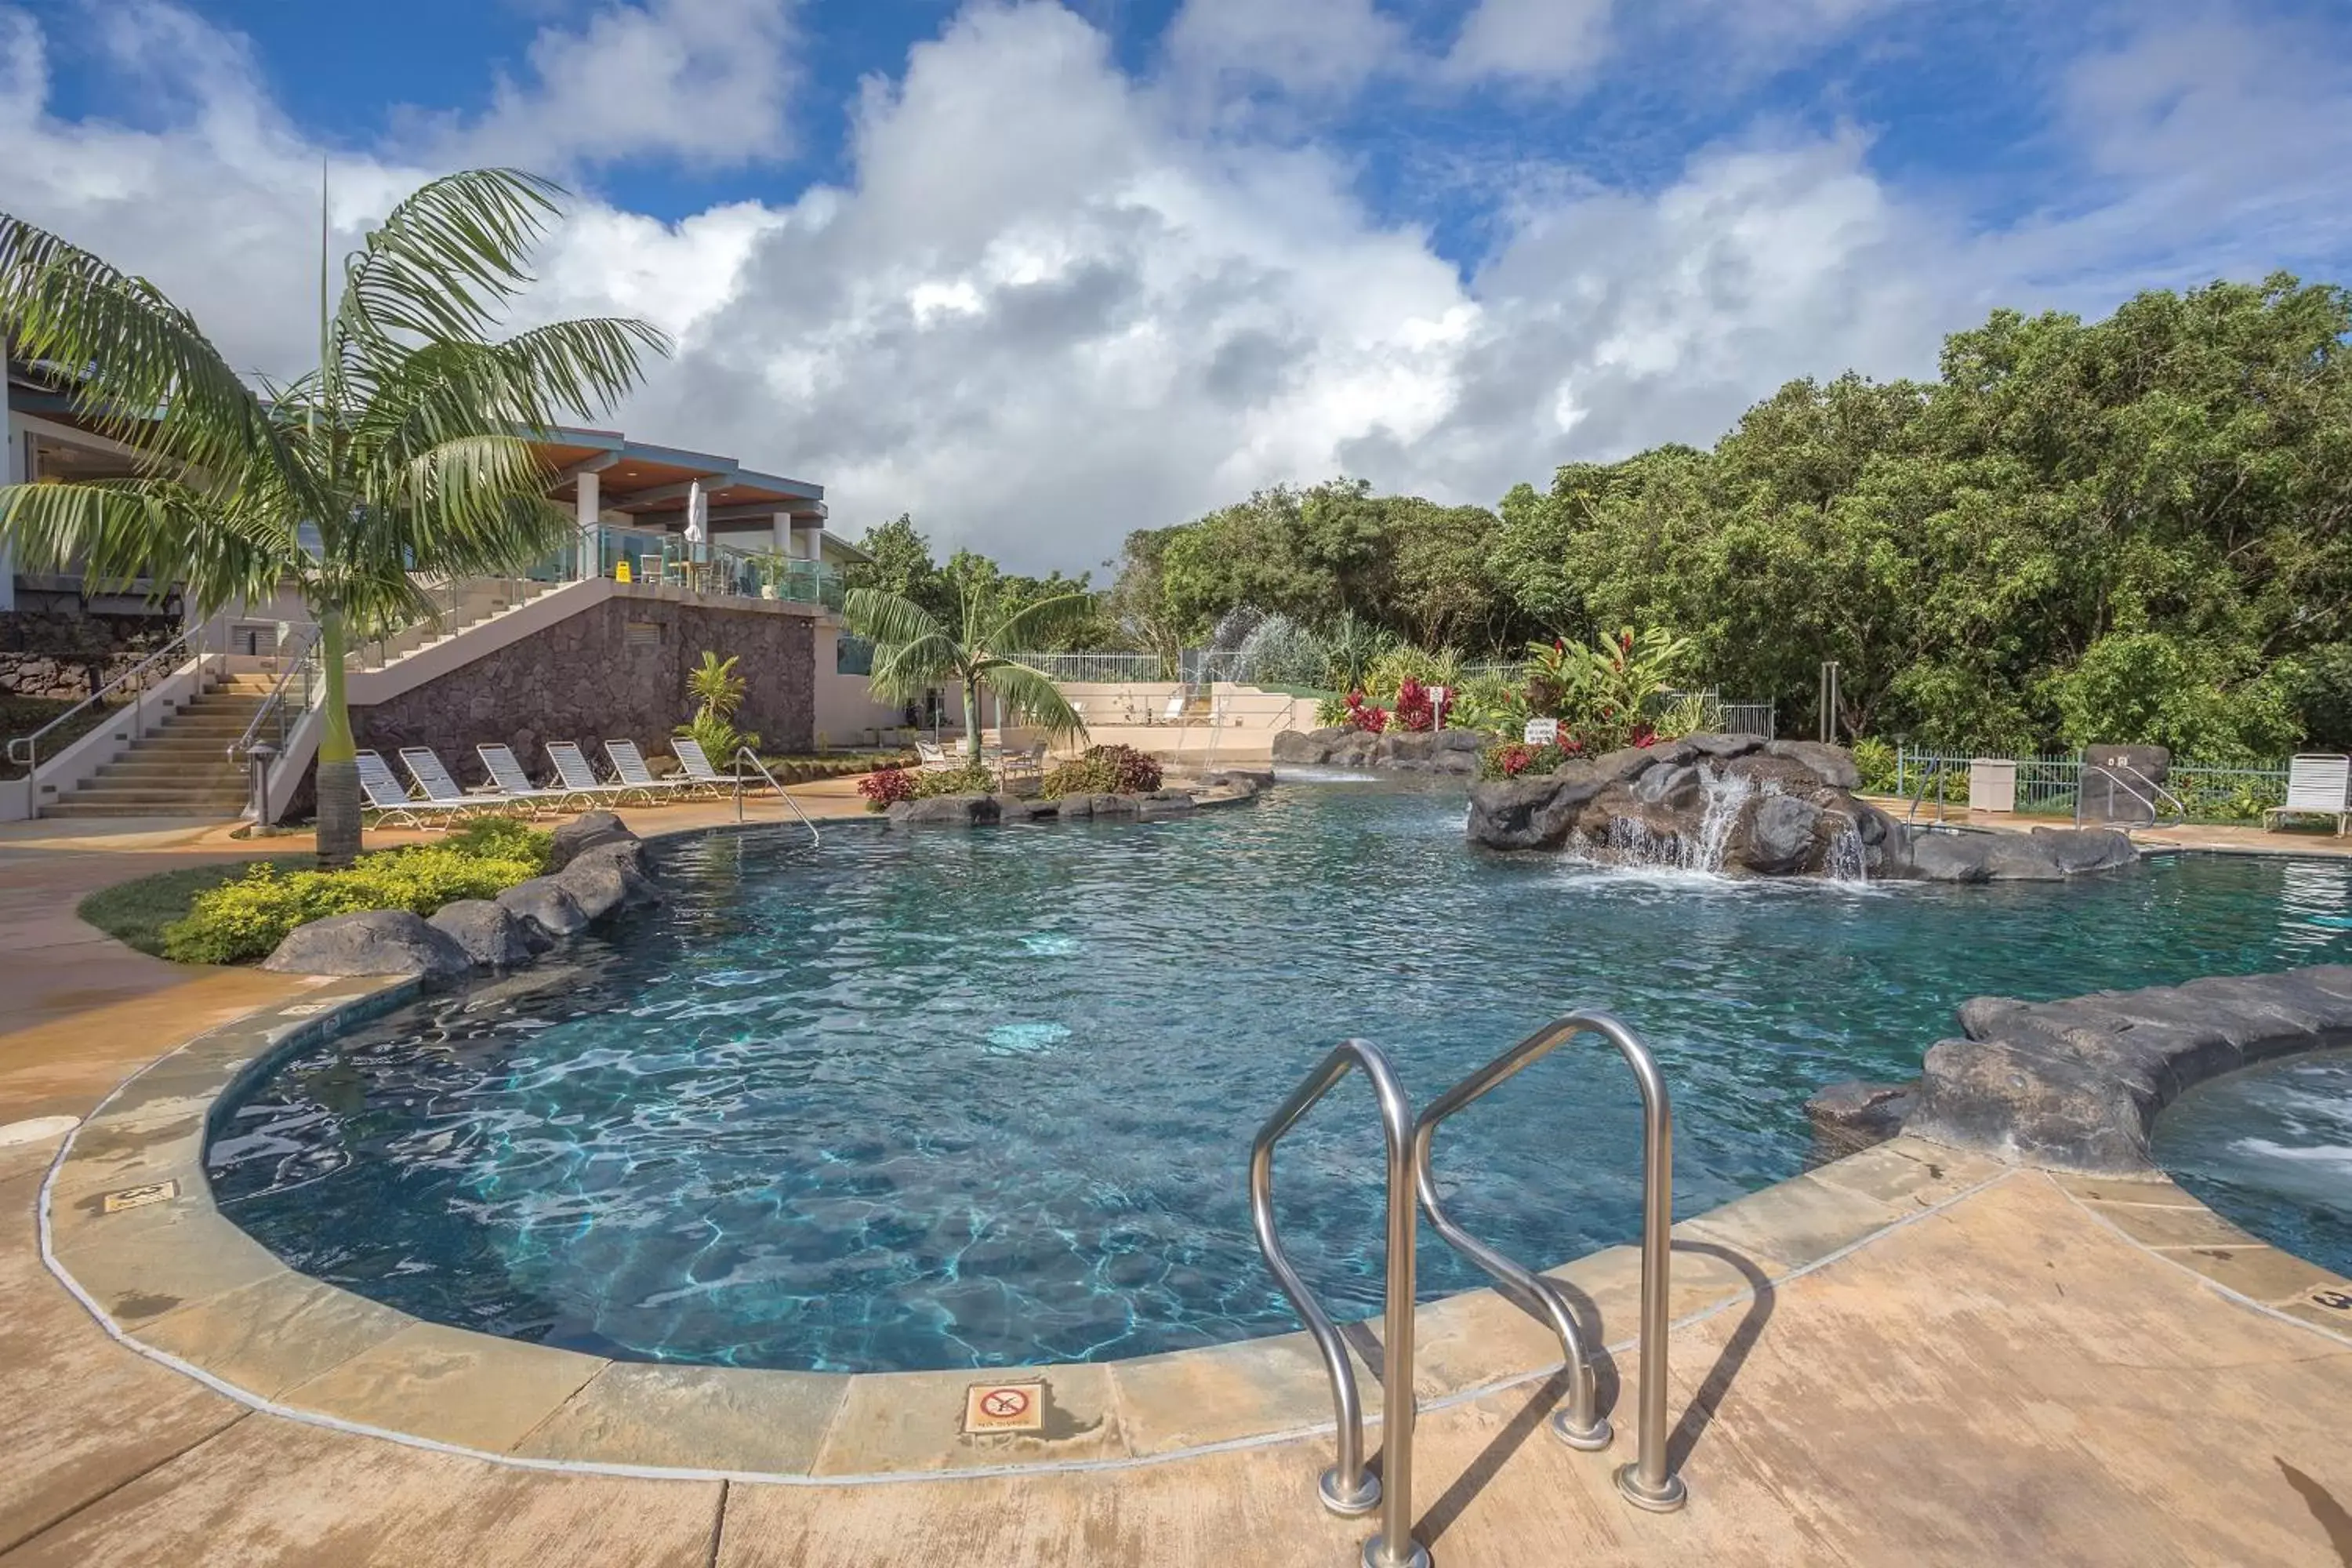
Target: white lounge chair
935 759
2318 784
629 767
514 782
424 765
578 776
390 800
697 763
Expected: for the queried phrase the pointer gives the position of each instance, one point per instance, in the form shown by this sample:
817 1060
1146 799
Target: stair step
79 807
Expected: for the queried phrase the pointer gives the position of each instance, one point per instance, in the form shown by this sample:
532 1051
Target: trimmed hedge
244 920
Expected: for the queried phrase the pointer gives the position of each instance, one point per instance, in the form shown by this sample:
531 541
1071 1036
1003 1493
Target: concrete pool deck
1908 1357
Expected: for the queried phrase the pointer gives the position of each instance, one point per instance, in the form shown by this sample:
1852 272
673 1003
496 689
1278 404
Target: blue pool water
2271 1147
947 1100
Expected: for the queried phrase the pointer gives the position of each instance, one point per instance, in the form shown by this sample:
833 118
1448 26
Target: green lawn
135 914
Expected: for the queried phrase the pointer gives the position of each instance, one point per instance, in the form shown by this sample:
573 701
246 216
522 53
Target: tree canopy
2126 529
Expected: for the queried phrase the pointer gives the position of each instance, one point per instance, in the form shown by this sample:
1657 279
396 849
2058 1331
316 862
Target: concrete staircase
183 768
467 606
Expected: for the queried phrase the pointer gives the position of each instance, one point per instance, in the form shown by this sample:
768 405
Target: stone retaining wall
614 671
2077 1085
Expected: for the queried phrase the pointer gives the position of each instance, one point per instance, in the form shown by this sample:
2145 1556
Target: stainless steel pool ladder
1648 1482
745 755
1347 1487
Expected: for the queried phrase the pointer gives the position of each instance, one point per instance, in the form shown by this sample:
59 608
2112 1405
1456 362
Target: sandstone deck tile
1471 1339
1909 1174
912 1421
82 1414
1185 1398
273 1494
1793 1222
139 1269
445 1383
2264 1273
274 1333
2157 1225
1606 1286
2126 1190
695 1418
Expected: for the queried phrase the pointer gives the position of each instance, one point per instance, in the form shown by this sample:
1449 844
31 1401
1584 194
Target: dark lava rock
946 811
584 832
2078 849
1833 765
373 942
606 878
545 903
1781 835
492 935
1850 1117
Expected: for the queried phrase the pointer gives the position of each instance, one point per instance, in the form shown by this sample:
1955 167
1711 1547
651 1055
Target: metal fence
2048 784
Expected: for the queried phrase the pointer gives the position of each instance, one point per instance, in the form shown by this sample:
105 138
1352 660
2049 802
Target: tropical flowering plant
1366 716
1515 760
1417 707
885 787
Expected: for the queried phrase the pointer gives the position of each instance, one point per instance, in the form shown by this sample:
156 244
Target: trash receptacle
1992 784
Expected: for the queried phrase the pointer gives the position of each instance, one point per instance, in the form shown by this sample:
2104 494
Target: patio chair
424 765
1028 766
697 763
578 776
390 800
514 782
629 767
2318 784
934 759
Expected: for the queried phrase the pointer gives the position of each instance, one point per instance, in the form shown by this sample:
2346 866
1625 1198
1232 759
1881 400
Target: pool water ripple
948 1100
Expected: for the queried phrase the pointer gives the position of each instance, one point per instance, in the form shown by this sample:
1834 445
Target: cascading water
1849 861
1631 842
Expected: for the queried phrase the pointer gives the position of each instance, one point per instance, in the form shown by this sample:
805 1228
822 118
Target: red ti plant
1364 716
885 787
1416 710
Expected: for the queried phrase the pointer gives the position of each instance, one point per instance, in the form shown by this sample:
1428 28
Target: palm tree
915 651
404 455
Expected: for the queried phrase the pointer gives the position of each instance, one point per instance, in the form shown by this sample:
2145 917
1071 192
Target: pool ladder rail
1348 1487
745 755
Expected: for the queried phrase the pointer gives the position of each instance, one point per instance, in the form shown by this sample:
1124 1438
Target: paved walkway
2027 1375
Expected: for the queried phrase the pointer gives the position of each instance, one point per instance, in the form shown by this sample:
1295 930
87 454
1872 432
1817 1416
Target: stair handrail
2114 772
1649 1482
745 755
1928 773
25 750
1347 1487
272 706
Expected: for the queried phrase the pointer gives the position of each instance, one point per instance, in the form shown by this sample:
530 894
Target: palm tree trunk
338 770
971 719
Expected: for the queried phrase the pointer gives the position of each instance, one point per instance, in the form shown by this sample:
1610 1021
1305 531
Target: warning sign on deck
1004 1407
140 1197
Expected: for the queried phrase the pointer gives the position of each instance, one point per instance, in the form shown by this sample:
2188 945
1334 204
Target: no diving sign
1004 1407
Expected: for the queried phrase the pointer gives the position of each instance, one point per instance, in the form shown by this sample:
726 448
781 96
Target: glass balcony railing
722 572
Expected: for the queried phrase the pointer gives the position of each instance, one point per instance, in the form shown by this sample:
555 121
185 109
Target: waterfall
1848 861
1631 842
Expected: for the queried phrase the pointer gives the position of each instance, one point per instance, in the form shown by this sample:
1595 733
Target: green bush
972 778
1103 770
245 919
1874 759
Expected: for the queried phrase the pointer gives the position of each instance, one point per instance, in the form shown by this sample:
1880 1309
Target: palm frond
120 533
1043 621
887 617
904 671
473 504
1031 693
136 365
446 259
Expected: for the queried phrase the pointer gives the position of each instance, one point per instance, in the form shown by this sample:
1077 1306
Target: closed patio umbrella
697 522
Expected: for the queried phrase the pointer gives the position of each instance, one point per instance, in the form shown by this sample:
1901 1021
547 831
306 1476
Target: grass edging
135 913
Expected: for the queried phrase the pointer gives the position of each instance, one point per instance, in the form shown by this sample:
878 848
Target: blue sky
1044 272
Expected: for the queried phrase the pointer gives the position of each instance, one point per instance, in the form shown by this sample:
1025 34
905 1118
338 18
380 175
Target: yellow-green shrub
245 919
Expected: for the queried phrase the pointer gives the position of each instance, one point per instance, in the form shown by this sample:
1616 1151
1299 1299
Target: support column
780 526
591 509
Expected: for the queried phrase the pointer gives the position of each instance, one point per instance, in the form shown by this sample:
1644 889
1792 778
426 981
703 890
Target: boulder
1782 836
1304 746
492 936
1532 814
545 903
946 811
2075 850
373 942
1675 787
1038 810
1850 1117
1724 747
583 833
1833 765
606 878
1165 803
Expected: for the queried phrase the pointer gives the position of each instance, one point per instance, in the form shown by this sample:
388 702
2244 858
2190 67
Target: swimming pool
973 1099
2271 1147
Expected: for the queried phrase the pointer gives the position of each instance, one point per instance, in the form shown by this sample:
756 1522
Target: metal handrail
2114 772
1929 773
270 707
745 755
1347 1488
25 750
1647 1482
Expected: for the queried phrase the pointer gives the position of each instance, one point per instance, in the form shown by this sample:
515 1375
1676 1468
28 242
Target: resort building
677 552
